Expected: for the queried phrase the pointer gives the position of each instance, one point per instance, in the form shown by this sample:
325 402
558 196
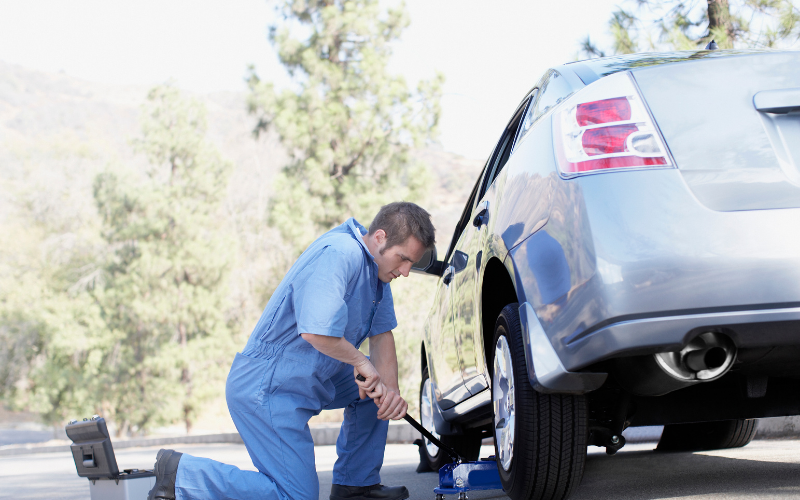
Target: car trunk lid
732 125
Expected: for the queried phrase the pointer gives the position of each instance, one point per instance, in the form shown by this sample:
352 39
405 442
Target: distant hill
60 131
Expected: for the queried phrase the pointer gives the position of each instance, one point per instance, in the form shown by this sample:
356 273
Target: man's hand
371 386
391 406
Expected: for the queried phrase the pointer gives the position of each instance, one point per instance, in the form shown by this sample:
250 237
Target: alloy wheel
427 417
503 402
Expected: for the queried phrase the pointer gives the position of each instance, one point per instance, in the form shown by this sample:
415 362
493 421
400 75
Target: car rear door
445 365
468 258
443 352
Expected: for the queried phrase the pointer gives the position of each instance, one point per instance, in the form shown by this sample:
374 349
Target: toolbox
94 459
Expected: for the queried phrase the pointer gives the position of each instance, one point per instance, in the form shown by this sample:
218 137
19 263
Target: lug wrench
425 433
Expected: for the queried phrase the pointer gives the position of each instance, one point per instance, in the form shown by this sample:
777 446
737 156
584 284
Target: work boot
375 492
166 469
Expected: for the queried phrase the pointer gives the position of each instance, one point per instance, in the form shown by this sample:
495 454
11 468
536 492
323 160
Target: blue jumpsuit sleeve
319 299
384 319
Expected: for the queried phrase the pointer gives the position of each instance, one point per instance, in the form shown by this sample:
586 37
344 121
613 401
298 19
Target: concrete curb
323 435
768 428
778 428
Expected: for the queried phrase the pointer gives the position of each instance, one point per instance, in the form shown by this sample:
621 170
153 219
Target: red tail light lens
615 162
606 140
605 111
606 126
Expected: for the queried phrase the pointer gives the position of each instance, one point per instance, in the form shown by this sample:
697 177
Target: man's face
395 261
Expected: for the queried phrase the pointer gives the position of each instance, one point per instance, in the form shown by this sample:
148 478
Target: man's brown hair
402 219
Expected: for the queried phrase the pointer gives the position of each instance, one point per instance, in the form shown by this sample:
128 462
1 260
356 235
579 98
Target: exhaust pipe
707 357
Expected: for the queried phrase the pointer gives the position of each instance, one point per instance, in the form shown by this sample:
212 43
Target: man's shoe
374 492
166 468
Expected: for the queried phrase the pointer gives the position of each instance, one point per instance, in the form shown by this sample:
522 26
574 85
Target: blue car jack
461 476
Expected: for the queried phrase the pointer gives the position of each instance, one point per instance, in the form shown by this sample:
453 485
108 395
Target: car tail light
605 111
606 126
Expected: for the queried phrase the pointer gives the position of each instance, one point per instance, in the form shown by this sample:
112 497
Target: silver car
629 256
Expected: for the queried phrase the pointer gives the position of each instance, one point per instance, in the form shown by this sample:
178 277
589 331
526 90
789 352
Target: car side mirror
428 264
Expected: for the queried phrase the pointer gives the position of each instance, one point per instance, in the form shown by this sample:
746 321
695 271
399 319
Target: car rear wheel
540 439
700 436
468 444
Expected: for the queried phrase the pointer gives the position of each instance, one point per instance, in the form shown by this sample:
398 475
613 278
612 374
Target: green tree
162 289
51 345
51 335
348 124
648 25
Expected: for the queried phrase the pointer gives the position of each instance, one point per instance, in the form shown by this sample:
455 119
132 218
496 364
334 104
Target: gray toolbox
94 459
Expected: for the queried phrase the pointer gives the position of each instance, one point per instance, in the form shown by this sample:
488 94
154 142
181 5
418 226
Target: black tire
467 445
550 432
700 436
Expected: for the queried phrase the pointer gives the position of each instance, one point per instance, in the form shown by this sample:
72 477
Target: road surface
762 470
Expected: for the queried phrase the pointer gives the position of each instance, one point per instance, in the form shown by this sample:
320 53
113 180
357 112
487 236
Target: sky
490 51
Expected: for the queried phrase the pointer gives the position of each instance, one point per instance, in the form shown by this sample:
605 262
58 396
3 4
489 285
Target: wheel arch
497 291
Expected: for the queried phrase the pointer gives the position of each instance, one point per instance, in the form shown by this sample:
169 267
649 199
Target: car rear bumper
747 328
644 267
545 371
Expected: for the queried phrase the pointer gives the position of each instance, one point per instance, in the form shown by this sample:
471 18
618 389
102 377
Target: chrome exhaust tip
707 357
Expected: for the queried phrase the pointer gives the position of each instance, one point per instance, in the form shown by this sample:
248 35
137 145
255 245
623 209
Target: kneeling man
302 358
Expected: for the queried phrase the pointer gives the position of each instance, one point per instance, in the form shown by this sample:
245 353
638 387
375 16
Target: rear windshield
609 65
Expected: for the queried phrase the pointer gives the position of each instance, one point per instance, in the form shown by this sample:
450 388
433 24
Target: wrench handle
425 433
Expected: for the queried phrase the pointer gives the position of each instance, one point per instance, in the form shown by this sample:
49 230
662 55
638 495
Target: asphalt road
762 470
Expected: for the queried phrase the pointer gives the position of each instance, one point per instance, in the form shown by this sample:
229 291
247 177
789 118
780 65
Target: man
302 358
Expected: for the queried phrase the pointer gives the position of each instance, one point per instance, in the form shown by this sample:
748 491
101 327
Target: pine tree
647 25
348 124
163 289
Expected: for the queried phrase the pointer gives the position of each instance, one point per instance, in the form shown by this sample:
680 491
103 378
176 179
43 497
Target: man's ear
380 237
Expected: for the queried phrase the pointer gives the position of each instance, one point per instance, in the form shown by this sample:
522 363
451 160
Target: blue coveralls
280 381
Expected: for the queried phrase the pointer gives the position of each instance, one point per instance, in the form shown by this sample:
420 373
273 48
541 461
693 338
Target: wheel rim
426 409
503 402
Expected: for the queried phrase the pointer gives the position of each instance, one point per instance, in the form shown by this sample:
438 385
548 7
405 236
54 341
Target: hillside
54 127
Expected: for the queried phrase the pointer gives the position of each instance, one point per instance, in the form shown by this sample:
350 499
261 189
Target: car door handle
482 216
448 275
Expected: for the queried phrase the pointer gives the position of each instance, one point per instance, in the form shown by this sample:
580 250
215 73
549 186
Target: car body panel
526 183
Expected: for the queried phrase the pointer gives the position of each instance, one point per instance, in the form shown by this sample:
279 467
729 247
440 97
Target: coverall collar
358 231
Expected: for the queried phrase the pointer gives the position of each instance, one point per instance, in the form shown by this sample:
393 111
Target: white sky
491 51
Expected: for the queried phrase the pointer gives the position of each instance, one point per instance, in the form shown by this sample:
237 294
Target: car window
552 91
527 119
503 150
465 216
